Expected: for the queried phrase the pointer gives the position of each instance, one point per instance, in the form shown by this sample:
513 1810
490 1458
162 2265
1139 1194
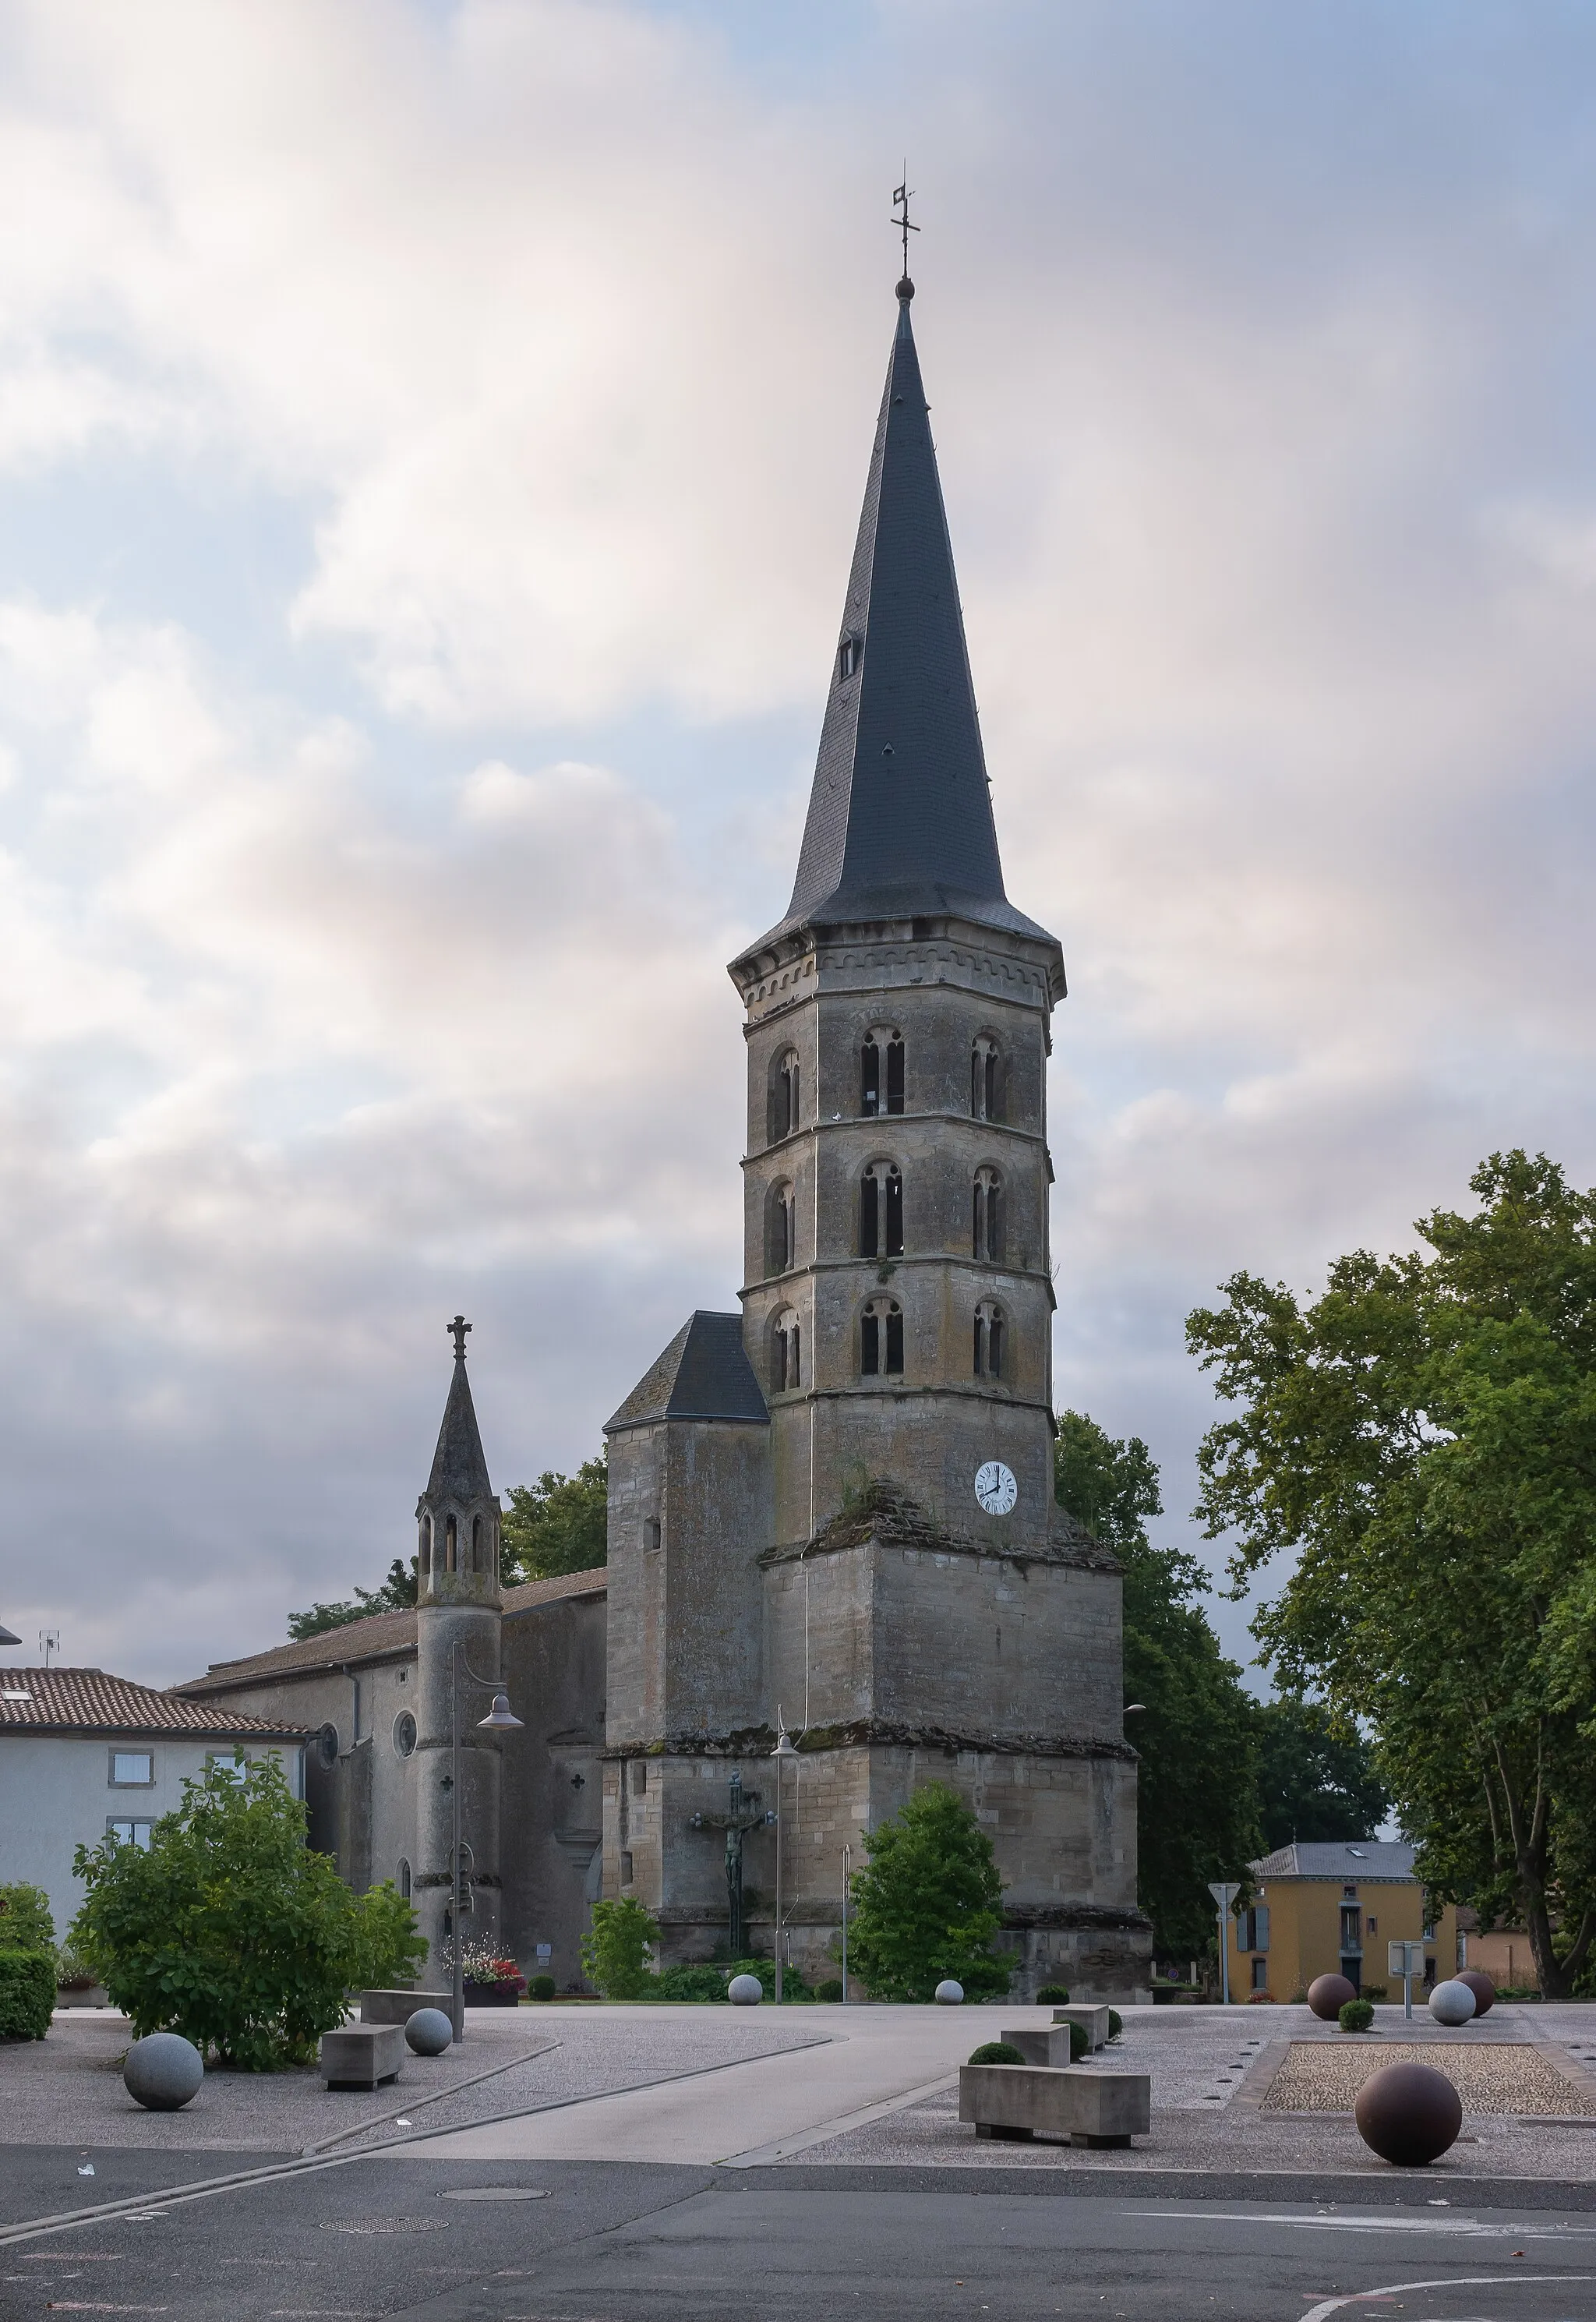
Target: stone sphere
1409 2114
1481 1985
1452 2002
162 2071
950 1994
428 2032
1327 1995
745 1991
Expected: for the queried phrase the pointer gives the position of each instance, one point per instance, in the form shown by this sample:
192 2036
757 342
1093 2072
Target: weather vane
901 201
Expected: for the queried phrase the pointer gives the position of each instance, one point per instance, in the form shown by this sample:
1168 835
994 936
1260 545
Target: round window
403 1733
327 1745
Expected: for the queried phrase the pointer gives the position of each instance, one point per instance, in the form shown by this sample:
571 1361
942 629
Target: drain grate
384 2224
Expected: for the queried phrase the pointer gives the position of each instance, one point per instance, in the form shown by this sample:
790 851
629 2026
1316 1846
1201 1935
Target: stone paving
1503 2078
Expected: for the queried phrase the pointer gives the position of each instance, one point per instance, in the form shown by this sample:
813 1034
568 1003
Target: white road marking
1466 2226
1328 2306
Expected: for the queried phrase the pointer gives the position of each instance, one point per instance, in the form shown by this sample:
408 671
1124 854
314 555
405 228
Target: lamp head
499 1716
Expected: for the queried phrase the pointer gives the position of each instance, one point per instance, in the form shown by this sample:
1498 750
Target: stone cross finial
457 1331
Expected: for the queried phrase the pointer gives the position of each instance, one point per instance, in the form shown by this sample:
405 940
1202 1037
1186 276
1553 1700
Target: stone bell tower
836 1512
458 1621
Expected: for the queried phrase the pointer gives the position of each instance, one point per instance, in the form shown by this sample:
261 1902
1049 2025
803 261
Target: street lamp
847 1883
784 1748
498 1720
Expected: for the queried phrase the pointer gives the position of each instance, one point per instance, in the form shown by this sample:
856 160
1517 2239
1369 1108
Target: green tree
25 1923
228 1929
1316 1780
558 1524
1196 1734
926 1905
616 1954
398 1591
1423 1437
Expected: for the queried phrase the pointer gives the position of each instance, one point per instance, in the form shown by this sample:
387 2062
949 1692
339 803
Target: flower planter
491 1995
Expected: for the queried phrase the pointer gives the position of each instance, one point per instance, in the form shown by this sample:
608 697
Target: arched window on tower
424 1546
784 1095
880 1339
785 1352
880 1210
985 1080
991 1334
881 1072
450 1551
780 1225
987 1220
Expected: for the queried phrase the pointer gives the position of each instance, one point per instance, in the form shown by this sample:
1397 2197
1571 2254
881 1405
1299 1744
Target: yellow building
1330 1907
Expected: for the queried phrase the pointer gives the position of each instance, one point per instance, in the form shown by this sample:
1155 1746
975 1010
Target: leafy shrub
1079 2045
1261 1999
229 1930
615 1953
1054 1995
72 1970
831 1989
1116 2024
27 1993
697 1982
1371 1992
926 1904
542 1986
25 1923
997 2052
1356 2016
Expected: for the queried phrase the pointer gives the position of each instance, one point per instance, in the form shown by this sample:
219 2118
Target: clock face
996 1488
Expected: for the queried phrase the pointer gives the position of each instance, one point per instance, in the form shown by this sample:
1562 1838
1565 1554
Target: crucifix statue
744 1813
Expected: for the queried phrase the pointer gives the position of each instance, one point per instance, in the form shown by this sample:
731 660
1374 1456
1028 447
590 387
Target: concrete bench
363 2055
399 2006
1050 2047
1093 2022
1026 2100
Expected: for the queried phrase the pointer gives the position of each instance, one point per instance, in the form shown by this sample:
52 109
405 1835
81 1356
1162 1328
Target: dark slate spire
900 817
459 1470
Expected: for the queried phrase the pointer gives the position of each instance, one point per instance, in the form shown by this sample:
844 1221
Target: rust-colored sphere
1481 1985
1327 1995
1409 2114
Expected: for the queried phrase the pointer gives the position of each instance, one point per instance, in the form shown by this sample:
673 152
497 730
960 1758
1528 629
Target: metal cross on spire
457 1331
901 201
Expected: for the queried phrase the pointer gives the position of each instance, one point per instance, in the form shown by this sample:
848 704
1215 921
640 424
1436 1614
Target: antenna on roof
901 201
49 1641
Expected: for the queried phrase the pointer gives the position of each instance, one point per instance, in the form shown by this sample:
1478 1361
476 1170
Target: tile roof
88 1701
1350 1858
381 1636
704 1373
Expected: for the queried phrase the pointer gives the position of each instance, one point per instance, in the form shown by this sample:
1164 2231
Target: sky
432 434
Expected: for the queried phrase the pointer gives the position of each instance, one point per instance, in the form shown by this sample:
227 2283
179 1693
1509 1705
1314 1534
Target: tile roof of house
1349 1858
88 1701
381 1636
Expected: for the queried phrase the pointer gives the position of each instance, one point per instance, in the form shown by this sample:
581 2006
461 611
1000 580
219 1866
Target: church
832 1523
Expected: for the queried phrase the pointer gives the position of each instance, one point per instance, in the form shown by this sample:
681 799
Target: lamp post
498 1720
783 1749
847 1883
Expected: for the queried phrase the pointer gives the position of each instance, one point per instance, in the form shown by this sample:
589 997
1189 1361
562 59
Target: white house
82 1753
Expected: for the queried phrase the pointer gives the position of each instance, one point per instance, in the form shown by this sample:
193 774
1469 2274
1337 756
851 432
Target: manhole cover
495 2193
383 2225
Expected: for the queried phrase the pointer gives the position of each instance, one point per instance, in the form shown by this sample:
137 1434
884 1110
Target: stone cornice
881 1732
885 1515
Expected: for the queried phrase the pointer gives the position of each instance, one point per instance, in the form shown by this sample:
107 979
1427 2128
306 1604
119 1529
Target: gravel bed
1500 2078
66 2088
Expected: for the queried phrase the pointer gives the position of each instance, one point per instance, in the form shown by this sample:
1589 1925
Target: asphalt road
629 2242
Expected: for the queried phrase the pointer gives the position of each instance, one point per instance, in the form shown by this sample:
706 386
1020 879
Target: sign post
1406 1960
1223 1893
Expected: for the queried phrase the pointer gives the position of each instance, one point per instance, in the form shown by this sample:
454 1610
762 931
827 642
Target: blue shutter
1261 1927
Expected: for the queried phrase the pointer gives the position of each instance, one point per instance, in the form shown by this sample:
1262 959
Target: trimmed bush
831 1989
1001 2051
704 1983
1054 1995
1116 2024
27 1993
927 1905
616 1954
1079 2045
542 1986
1357 2015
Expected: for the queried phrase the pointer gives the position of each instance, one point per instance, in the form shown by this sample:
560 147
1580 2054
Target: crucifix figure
459 1326
901 201
744 1813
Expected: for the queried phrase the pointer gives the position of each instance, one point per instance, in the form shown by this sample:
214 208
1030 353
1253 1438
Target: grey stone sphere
950 1994
428 2032
162 2071
745 1991
1452 2002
